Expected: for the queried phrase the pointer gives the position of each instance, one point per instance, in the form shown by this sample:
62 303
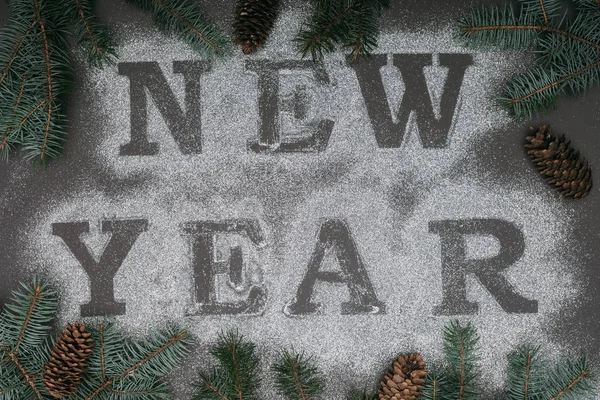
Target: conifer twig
570 52
184 19
352 24
297 378
236 378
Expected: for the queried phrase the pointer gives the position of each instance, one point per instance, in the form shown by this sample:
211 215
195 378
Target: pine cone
405 380
560 165
62 373
254 20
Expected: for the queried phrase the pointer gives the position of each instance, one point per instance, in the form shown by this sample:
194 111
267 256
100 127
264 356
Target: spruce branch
130 367
352 24
569 53
525 374
297 378
35 76
236 378
571 380
364 395
460 347
24 325
92 37
184 19
435 383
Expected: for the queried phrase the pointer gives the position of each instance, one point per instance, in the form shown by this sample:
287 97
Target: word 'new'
185 126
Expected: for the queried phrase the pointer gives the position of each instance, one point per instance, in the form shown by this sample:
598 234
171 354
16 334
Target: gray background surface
26 189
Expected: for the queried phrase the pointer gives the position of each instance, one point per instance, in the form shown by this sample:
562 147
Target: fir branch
237 374
569 55
571 380
364 395
28 376
24 324
435 382
92 37
16 50
211 386
132 367
183 19
5 143
525 374
297 378
460 345
351 23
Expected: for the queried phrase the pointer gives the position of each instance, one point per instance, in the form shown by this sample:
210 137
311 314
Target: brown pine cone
62 373
559 164
254 20
405 380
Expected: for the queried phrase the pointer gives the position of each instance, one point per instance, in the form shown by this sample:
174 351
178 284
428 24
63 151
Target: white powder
289 193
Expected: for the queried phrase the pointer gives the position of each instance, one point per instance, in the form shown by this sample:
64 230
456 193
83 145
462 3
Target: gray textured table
282 198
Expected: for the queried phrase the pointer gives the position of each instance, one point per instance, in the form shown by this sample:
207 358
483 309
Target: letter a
335 234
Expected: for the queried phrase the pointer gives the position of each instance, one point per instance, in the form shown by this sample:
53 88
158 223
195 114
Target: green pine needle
364 395
24 326
569 52
435 384
36 73
460 348
184 19
525 374
352 24
236 378
571 380
93 38
132 368
297 378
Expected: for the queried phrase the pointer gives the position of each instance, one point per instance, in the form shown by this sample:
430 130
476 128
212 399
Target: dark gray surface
26 189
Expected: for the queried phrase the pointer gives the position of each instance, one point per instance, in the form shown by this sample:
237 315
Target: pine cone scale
560 164
254 20
62 373
405 380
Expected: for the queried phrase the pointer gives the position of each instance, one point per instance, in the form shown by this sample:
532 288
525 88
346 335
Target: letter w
432 131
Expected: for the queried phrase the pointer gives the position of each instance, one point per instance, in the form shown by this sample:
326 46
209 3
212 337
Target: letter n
184 127
335 234
456 266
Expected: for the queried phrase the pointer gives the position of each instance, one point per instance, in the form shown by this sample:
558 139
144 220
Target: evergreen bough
568 50
118 369
183 19
351 24
236 377
529 377
297 378
36 75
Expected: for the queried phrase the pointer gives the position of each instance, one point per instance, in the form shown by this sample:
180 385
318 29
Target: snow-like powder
386 196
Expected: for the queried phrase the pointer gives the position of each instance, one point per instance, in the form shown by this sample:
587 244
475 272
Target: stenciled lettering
335 235
456 266
185 127
202 236
433 132
334 238
124 233
270 135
